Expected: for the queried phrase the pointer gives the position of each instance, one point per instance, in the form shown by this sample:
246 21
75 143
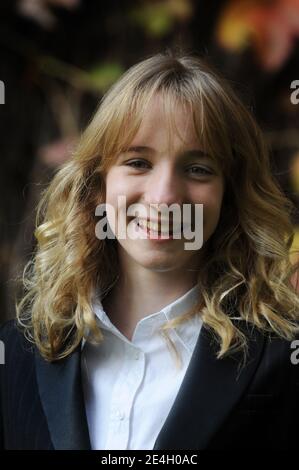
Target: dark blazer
218 406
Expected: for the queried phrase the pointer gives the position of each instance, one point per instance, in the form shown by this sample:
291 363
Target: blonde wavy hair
247 272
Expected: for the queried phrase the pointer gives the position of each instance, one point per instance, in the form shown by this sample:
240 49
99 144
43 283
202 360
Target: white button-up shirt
130 386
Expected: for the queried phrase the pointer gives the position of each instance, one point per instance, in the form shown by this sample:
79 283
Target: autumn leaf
269 27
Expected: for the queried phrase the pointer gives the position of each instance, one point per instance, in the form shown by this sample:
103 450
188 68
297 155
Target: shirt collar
187 331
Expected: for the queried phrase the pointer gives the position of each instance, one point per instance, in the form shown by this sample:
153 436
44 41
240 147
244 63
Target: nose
164 186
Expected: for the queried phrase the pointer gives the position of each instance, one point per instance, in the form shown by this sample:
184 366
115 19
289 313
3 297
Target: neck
141 292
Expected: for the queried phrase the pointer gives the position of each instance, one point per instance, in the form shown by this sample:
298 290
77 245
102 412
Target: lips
161 228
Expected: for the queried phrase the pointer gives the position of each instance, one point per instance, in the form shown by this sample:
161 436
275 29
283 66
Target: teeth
156 227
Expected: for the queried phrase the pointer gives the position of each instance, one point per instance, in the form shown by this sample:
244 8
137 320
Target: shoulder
279 363
8 329
15 347
271 344
276 358
279 349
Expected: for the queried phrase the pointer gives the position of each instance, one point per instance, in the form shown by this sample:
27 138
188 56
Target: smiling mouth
158 228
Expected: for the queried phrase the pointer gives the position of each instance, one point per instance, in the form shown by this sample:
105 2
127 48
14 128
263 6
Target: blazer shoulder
7 328
14 341
281 356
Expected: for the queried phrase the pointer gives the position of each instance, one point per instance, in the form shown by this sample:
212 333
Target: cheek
116 185
211 197
119 195
113 191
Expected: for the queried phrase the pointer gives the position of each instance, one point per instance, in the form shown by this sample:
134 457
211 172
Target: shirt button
136 355
120 415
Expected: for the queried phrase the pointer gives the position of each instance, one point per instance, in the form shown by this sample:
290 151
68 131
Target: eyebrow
187 153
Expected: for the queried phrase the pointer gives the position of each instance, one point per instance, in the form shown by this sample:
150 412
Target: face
155 171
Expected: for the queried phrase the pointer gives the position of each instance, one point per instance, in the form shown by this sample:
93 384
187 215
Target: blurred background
59 56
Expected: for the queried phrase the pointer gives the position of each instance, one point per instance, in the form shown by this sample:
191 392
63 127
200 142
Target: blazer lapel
62 399
209 391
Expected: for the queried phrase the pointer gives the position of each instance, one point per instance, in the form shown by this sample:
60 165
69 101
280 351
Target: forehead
168 121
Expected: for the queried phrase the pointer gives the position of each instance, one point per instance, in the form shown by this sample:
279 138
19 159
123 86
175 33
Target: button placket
123 397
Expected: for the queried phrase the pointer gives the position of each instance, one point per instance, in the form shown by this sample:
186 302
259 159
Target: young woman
140 342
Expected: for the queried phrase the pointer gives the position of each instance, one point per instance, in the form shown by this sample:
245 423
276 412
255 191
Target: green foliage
104 75
156 19
99 78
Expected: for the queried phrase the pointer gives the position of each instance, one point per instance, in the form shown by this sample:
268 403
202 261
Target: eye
199 171
138 164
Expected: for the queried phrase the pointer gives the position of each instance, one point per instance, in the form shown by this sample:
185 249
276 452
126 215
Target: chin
153 261
160 262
